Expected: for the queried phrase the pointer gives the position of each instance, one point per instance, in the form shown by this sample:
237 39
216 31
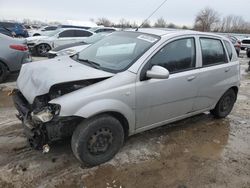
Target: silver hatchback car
126 83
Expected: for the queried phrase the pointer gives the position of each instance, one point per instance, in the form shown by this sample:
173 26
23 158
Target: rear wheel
3 72
97 140
225 104
42 49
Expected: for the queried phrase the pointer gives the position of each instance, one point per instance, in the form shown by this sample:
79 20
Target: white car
40 45
245 43
102 29
73 48
42 31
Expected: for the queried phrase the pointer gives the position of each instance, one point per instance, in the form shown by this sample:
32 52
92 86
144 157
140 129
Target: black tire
3 72
225 104
42 49
97 140
248 53
36 34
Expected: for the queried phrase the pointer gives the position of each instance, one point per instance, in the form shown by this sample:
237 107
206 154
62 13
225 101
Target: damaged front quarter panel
41 120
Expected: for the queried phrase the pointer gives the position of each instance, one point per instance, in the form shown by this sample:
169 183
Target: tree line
210 20
207 20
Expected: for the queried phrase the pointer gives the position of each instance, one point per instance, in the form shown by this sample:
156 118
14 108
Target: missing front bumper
38 133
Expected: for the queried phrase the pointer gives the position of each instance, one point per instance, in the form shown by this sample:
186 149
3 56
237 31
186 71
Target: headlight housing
47 114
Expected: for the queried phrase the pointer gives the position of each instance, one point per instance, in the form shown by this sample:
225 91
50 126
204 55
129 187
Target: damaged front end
41 121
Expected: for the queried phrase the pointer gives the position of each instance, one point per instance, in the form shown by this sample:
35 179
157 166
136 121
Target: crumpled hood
37 78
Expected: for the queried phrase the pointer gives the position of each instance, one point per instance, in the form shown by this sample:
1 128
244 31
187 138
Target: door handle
191 78
227 69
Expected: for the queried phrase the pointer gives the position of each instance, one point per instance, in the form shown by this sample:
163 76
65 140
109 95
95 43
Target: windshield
117 51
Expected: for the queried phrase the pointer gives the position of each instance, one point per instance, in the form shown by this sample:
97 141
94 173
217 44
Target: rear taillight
19 47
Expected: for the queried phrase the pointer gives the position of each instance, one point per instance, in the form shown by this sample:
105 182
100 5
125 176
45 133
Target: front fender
108 105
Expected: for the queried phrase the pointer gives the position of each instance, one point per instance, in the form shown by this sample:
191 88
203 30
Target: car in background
73 48
17 29
40 45
245 43
102 29
73 26
46 30
14 53
237 44
124 84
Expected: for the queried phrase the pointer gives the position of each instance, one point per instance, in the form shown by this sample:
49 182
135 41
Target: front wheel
225 104
3 72
42 49
97 140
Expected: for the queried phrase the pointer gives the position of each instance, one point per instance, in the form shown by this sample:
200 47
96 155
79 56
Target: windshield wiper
92 63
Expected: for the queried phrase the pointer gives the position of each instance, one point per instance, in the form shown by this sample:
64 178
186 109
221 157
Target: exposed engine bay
41 120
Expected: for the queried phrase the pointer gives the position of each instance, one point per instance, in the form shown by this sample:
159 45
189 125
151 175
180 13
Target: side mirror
158 72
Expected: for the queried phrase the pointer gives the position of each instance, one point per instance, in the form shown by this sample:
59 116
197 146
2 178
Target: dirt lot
197 152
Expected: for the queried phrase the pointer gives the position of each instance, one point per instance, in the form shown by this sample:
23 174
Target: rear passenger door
215 72
65 37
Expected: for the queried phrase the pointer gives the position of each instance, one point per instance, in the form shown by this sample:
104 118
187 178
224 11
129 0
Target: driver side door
161 100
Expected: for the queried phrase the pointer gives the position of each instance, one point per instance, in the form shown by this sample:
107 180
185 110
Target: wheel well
235 89
43 43
5 65
122 120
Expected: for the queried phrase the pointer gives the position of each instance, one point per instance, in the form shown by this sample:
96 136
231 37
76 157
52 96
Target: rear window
213 52
67 33
80 33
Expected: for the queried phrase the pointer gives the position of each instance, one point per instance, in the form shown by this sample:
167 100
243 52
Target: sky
180 12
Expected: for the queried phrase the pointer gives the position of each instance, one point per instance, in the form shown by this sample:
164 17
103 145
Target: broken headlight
46 114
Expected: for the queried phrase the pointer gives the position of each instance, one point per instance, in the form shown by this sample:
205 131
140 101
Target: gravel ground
197 152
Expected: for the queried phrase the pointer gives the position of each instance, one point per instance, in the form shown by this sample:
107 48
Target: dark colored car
18 30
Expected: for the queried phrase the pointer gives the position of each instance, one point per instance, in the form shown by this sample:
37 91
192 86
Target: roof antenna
151 14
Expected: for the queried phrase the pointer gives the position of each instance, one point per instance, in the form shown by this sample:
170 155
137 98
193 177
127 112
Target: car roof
65 29
177 32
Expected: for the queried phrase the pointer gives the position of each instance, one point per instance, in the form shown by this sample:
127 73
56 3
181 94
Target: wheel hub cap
100 141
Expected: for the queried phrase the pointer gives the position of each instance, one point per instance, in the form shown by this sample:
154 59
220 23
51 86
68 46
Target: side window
68 33
229 49
177 56
80 33
50 28
8 25
212 52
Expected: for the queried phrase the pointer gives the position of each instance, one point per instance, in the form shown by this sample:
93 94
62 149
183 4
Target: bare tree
104 21
123 23
235 24
160 22
146 24
206 20
172 26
